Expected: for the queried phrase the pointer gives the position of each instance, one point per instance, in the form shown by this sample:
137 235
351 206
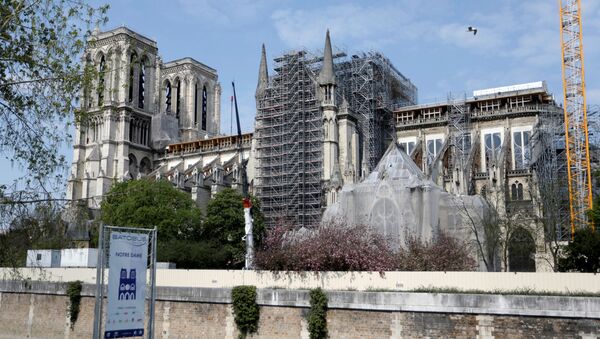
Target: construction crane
576 125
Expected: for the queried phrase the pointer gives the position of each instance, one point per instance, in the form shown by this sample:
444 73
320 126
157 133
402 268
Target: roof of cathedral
126 31
396 165
327 76
263 73
189 60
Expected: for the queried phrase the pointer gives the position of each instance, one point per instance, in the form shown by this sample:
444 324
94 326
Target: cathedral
335 135
149 118
161 120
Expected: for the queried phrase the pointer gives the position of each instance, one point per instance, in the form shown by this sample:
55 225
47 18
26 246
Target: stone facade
149 118
505 144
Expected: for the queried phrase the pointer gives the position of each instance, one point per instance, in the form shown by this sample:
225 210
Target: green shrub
317 316
74 294
245 309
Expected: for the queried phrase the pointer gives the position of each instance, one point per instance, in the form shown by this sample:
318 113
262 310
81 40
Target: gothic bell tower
331 168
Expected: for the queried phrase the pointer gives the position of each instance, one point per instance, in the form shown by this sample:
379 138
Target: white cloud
526 32
372 26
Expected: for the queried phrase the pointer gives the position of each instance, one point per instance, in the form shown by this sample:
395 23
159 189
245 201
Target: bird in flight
472 29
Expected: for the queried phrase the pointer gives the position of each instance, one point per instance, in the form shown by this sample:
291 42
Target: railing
419 121
481 175
477 113
213 144
518 172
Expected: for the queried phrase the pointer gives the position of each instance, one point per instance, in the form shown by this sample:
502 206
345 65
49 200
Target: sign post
249 234
129 252
126 285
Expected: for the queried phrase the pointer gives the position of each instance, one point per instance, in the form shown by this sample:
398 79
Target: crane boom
576 125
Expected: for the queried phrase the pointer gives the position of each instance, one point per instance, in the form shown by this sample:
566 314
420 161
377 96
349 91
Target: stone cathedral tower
327 94
137 107
340 138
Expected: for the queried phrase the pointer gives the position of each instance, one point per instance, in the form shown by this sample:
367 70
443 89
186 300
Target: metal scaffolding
459 121
373 87
288 128
549 165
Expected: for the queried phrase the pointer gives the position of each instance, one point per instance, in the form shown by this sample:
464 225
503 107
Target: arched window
204 106
87 90
178 99
196 104
520 191
101 72
168 97
516 191
145 166
132 127
141 83
133 166
484 191
132 62
521 251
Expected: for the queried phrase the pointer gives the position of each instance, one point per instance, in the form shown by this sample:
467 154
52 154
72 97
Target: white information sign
126 285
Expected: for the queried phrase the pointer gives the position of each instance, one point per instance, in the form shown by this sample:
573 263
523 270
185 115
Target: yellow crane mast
576 125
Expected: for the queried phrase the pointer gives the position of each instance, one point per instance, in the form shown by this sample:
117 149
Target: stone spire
327 76
263 74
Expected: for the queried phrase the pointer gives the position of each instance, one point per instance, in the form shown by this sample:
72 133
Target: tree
225 224
40 227
145 203
484 228
41 78
493 228
443 253
583 252
331 247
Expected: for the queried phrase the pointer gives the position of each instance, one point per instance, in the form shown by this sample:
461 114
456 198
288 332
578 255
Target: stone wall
40 310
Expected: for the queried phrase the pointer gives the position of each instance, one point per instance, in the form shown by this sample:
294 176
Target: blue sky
517 41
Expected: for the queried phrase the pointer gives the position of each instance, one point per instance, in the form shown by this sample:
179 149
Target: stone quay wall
40 310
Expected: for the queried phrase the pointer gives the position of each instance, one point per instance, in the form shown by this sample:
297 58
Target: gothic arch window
101 83
168 94
178 99
484 191
196 104
133 166
521 251
204 107
434 147
145 166
516 191
142 82
521 149
384 215
132 63
520 191
132 128
87 90
493 146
